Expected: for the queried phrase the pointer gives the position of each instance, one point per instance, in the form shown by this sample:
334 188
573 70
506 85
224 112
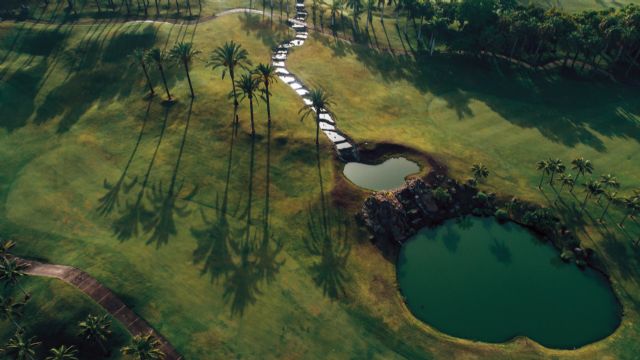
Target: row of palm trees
129 6
94 329
605 187
254 84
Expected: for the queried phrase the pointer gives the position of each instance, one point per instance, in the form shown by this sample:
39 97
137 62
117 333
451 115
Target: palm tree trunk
553 173
253 128
186 68
584 203
177 7
157 8
233 88
266 87
318 126
605 209
575 182
164 80
98 5
146 75
541 178
624 219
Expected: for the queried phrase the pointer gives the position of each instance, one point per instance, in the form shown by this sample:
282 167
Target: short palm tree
591 188
96 329
545 169
158 57
582 167
556 167
608 181
267 75
144 347
479 171
248 86
63 353
230 56
139 58
566 180
320 101
184 53
632 205
11 310
6 246
11 271
21 347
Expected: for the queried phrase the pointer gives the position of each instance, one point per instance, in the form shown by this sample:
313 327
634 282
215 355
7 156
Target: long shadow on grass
574 112
111 199
327 241
164 205
253 25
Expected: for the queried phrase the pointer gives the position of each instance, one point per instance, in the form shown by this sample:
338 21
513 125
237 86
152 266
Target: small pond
388 175
477 279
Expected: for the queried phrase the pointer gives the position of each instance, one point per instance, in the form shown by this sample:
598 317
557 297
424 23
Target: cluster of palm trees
131 7
602 188
94 329
182 53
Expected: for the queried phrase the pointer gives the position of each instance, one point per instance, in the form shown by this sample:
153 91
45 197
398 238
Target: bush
502 215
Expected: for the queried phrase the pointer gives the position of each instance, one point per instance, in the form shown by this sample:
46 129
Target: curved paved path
103 296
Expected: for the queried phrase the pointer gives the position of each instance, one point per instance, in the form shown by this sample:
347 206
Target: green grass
52 315
580 5
80 113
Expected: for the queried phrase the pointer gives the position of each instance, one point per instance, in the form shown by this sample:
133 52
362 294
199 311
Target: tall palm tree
582 167
545 169
591 188
556 167
370 7
249 86
229 56
139 57
11 271
144 347
158 57
356 9
267 75
479 171
22 348
96 329
632 205
566 180
63 353
184 53
320 101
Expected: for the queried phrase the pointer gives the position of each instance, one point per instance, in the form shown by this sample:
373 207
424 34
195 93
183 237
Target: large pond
477 279
385 176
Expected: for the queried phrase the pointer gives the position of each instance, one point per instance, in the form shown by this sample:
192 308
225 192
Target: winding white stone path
343 146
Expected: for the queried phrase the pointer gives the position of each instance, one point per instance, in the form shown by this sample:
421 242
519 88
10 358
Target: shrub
501 215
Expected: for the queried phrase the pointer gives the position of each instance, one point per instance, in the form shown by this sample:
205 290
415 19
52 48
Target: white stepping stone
282 71
280 57
295 85
302 92
287 79
298 26
327 118
301 36
296 42
325 126
343 146
278 63
307 101
300 5
334 136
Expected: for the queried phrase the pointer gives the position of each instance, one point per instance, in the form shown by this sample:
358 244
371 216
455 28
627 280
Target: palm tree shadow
501 252
327 239
164 205
111 199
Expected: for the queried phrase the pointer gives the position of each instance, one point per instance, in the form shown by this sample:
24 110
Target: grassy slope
52 315
581 5
463 112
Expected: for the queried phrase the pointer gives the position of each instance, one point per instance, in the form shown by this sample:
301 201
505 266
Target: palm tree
544 167
144 347
566 180
335 7
5 247
11 271
479 171
159 58
22 348
370 7
63 353
267 75
97 329
184 53
581 166
229 56
11 310
608 181
356 8
591 188
248 85
556 167
632 204
611 196
320 100
138 57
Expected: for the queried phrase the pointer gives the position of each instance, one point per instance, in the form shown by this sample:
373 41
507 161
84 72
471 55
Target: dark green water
388 175
478 279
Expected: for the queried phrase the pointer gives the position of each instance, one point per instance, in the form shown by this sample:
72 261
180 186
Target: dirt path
103 296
